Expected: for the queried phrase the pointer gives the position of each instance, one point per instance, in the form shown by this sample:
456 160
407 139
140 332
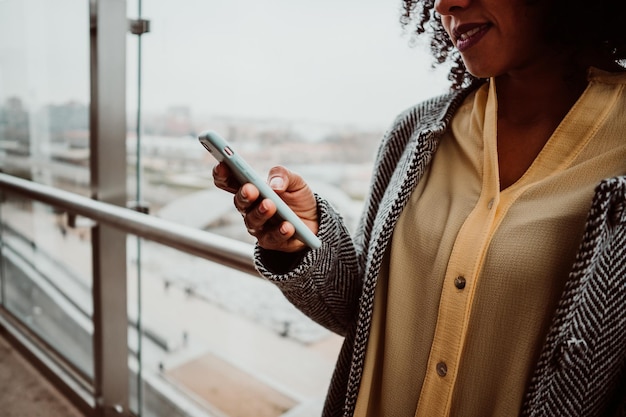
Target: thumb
279 178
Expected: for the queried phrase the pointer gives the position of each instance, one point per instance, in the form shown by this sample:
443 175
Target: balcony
126 279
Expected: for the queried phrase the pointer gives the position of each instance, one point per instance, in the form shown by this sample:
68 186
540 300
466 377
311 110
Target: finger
261 219
283 180
294 190
223 178
279 178
270 230
281 237
245 197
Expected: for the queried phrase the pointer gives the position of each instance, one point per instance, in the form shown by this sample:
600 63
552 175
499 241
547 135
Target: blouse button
460 282
442 369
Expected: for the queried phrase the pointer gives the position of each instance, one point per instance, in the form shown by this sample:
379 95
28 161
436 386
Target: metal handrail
226 251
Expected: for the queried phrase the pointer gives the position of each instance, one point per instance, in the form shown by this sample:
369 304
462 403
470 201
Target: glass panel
44 92
309 84
219 339
44 137
46 277
312 85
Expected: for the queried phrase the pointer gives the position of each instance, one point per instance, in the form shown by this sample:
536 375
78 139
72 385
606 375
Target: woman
487 275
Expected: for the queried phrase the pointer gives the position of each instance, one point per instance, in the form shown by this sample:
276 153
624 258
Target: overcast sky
318 60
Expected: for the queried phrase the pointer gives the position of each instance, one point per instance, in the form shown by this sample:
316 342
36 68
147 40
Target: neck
531 104
545 92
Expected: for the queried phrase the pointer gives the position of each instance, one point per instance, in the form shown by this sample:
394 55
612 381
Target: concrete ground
24 392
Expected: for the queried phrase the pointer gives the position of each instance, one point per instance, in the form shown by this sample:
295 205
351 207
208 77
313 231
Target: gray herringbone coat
582 369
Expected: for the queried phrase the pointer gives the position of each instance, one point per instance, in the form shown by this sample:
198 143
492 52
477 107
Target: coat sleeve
324 283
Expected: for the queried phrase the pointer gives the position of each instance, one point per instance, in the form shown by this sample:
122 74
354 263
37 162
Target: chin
480 72
480 67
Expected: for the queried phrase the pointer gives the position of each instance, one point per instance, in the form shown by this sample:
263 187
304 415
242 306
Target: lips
467 35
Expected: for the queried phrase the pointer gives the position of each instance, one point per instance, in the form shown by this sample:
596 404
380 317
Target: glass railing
46 278
228 341
44 137
216 339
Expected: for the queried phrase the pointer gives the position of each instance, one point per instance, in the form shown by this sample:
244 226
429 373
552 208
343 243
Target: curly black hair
598 26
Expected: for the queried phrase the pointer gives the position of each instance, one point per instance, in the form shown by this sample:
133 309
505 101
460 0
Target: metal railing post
109 26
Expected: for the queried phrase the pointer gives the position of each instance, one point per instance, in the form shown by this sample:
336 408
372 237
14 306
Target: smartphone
224 152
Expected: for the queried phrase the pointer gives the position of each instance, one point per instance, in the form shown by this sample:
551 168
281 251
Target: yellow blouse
473 274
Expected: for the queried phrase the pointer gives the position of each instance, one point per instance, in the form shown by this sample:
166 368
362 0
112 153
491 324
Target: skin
259 215
536 83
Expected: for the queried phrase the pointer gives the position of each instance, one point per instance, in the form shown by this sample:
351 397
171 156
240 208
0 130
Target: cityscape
335 159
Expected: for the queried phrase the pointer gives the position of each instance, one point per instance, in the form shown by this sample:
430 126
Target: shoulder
427 118
434 113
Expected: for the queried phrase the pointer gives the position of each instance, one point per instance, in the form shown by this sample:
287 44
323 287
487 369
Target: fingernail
244 194
283 229
276 182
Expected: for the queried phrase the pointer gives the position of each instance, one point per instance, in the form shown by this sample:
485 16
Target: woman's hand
259 214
